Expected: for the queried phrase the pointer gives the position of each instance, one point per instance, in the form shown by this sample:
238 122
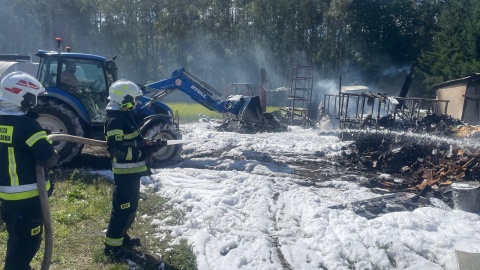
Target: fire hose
42 190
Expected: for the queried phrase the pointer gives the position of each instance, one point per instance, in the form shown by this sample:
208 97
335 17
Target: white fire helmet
124 92
21 89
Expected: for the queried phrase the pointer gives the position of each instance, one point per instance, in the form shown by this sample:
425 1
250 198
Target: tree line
360 41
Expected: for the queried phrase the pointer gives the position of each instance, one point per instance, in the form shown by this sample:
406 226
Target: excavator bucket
246 109
251 110
245 114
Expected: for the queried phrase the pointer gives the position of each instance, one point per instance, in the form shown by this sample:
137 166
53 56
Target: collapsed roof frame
357 110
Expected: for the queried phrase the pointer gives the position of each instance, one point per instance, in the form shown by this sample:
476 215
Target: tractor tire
167 155
57 117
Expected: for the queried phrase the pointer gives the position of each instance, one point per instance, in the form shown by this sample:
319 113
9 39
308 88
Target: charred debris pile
429 154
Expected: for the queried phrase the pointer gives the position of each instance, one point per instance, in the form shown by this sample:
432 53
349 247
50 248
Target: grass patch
80 207
271 109
189 112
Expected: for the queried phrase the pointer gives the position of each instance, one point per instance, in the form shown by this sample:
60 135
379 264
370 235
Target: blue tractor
76 106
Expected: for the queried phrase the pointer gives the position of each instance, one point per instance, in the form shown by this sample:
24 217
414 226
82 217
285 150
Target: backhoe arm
240 108
198 90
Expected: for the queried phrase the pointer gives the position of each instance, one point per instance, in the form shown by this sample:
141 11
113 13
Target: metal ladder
300 96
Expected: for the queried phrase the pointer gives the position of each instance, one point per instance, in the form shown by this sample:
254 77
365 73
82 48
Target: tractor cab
85 77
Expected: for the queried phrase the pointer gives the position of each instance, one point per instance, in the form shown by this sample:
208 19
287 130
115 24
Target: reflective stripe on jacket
21 192
125 168
124 143
23 142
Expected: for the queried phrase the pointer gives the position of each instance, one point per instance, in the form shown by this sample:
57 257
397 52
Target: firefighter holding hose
129 151
23 144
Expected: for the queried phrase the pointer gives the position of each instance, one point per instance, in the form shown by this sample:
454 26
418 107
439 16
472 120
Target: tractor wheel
59 118
166 155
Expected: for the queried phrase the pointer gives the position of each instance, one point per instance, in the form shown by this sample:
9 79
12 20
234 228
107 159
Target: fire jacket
124 143
23 143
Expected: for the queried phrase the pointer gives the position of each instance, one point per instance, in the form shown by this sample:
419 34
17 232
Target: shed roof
471 77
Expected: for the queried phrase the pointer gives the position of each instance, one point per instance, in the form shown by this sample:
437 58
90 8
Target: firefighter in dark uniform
128 151
23 144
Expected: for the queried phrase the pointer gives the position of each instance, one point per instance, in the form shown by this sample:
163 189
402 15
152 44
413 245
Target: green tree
332 54
455 49
219 40
385 32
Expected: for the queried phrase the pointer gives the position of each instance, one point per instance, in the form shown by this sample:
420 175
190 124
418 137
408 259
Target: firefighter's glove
149 146
156 144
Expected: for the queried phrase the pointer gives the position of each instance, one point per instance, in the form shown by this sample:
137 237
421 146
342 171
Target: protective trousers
25 227
124 206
